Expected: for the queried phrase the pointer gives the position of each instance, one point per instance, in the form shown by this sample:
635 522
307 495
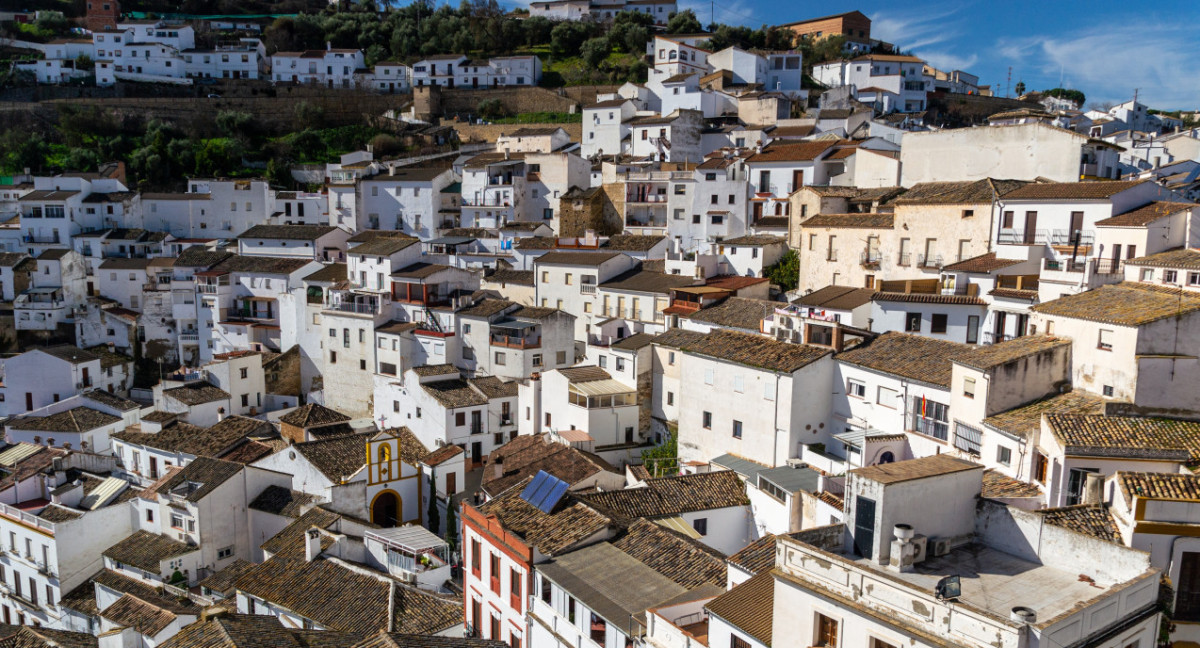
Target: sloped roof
1001 353
337 458
673 495
569 523
1096 190
1146 214
749 606
1126 304
916 357
755 350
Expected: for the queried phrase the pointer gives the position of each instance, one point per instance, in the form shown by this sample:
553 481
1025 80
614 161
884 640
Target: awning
602 387
450 240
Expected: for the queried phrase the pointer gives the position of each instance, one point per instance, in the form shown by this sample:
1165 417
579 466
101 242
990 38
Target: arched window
887 457
385 453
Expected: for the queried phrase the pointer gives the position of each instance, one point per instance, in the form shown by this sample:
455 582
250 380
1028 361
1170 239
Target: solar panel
543 490
552 498
538 480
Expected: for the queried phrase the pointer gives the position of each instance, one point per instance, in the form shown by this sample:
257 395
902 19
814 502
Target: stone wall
490 132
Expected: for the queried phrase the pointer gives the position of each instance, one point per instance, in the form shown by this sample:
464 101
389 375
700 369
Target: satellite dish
949 587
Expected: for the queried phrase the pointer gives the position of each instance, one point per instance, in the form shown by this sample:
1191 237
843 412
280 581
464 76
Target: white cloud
917 30
949 61
1110 61
727 13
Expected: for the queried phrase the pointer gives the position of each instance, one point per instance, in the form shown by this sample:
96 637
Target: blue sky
1104 48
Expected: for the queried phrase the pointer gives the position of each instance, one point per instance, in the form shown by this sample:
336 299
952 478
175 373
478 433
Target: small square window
706 420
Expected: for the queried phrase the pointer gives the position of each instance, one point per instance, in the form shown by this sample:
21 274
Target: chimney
535 385
497 467
1093 488
328 46
220 414
312 544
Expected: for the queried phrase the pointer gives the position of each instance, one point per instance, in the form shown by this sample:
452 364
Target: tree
567 37
1063 93
594 51
1019 88
433 516
309 116
684 22
663 460
786 272
635 39
491 109
452 523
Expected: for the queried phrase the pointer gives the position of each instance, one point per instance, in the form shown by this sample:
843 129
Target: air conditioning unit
921 543
941 546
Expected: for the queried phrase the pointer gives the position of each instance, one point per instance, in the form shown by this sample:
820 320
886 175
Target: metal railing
1108 266
1068 265
870 259
513 342
904 259
991 337
930 261
352 307
1023 237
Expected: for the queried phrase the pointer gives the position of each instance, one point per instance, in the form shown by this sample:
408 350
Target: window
912 322
671 358
738 385
494 572
973 329
500 358
1040 467
931 418
700 525
886 397
1169 276
1147 274
967 438
1105 340
514 586
968 213
708 376
560 357
670 398
937 323
1107 390
827 631
812 242
737 429
460 418
333 357
706 420
225 552
1004 455
475 557
969 387
244 372
149 515
856 388
545 276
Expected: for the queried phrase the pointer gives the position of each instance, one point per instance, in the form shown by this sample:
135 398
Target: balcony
354 307
1108 266
930 261
517 342
587 289
46 569
1023 237
904 260
189 336
991 337
39 301
45 240
870 259
1068 265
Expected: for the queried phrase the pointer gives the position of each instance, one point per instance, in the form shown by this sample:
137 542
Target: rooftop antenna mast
1008 84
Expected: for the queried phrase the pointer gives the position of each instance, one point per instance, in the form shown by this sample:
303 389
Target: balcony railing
1068 265
991 337
45 569
1108 266
189 336
1023 237
930 261
870 259
1067 237
587 289
513 342
904 260
30 238
26 518
646 198
352 307
25 303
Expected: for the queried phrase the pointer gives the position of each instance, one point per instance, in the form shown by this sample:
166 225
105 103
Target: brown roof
288 232
632 242
857 221
928 298
420 270
1089 520
1127 436
983 264
28 636
749 606
197 393
283 501
454 393
132 612
1002 353
638 280
688 562
366 236
246 631
330 273
1026 420
797 152
736 312
1184 258
1126 304
1162 486
337 458
913 356
581 258
434 370
755 240
493 387
1146 214
78 419
442 455
412 451
508 276
529 454
382 246
678 338
290 541
586 373
838 297
958 193
146 551
1099 190
567 524
902 471
663 496
199 478
755 351
313 415
997 485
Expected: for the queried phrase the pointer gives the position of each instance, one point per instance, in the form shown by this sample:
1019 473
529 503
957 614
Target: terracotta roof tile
526 455
132 612
1146 214
663 496
1128 437
1183 258
958 193
1126 304
1100 190
913 356
283 501
1089 520
146 550
1002 353
928 298
312 415
686 561
997 485
838 297
854 221
755 351
337 458
571 522
901 471
736 312
983 264
1161 486
798 152
454 393
1026 420
749 606
77 419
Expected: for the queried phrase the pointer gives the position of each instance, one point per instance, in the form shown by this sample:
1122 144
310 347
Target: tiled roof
984 263
929 298
1099 190
528 454
1026 420
199 256
638 280
913 356
586 373
902 471
579 258
1013 293
77 419
119 582
197 441
958 193
70 353
366 236
857 221
1126 304
493 387
312 415
673 495
755 351
1146 214
197 393
420 270
686 561
287 232
1161 486
454 393
736 312
755 240
997 485
337 458
508 276
434 370
487 308
678 338
258 631
28 636
1127 436
632 242
202 475
838 297
283 501
263 264
1089 520
111 400
632 342
798 152
567 524
749 606
290 541
132 612
412 451
397 640
442 455
223 581
146 550
382 246
1002 353
248 451
330 273
343 599
1183 258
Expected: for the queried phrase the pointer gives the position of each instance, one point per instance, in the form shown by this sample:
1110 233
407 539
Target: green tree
1073 95
452 524
84 62
309 116
1019 88
235 124
684 22
567 37
433 515
594 51
21 149
786 272
491 109
663 460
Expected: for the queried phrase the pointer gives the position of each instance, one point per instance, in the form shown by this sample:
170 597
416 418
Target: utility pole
1008 84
